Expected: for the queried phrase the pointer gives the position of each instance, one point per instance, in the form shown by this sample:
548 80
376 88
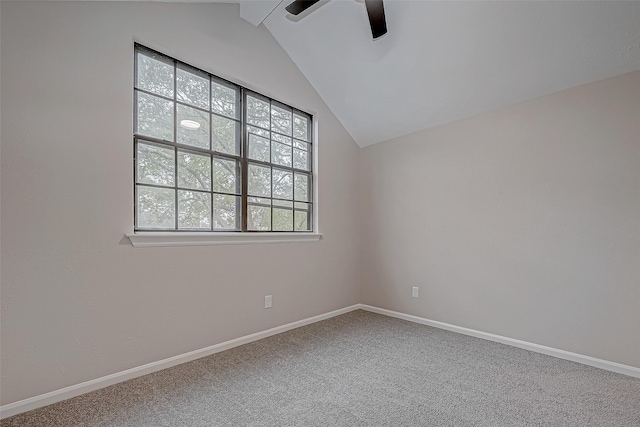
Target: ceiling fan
375 10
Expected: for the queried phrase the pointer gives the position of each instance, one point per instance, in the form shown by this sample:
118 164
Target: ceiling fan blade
375 10
299 6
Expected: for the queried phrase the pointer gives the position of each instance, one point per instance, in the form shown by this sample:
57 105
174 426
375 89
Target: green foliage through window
211 155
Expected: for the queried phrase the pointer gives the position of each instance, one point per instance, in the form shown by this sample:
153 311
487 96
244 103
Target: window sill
157 239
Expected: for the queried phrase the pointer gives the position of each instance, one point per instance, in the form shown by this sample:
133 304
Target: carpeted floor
360 369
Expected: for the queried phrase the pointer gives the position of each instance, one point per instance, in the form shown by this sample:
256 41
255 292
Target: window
211 155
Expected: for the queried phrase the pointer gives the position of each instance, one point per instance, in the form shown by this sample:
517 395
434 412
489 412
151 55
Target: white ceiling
445 60
442 61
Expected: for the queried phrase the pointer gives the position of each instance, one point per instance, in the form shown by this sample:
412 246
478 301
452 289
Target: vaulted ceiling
446 60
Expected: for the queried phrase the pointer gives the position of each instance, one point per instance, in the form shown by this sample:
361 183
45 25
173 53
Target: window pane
190 153
225 135
224 100
154 75
194 171
194 210
259 214
155 116
301 145
193 127
301 217
225 174
259 131
282 184
282 215
301 190
192 88
225 212
282 219
258 112
280 120
259 183
300 159
281 138
156 208
280 154
301 127
259 201
155 164
259 148
282 204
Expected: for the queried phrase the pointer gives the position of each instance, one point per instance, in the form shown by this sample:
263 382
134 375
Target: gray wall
522 222
78 302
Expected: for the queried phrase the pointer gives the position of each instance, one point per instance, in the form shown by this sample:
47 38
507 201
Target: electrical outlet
414 293
267 301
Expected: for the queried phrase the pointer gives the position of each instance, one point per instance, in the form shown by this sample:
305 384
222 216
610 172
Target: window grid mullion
211 148
271 159
175 138
186 147
241 161
157 95
245 164
241 211
135 177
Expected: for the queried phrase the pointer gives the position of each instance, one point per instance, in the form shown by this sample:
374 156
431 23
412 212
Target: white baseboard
562 354
98 383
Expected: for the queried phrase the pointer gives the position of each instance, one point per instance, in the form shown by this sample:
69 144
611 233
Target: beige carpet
360 369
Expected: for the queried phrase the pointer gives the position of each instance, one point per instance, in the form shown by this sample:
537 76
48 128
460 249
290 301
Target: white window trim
172 238
144 239
258 93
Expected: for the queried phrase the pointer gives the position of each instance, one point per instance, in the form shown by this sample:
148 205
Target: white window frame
180 237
